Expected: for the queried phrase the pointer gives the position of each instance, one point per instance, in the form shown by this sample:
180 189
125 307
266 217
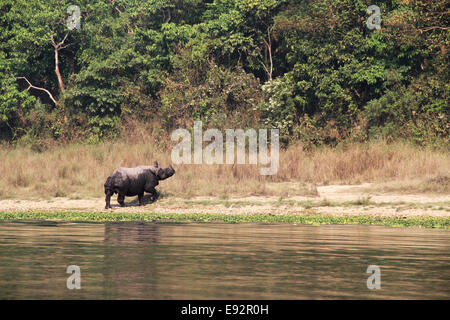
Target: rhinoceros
135 181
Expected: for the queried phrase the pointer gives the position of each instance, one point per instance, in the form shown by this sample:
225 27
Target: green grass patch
308 204
425 222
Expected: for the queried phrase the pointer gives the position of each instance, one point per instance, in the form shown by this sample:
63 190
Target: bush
203 90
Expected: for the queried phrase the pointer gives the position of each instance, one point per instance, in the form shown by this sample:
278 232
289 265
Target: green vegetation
308 204
311 68
426 222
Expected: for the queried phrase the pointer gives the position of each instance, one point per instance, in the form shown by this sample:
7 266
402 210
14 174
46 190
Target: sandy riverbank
333 200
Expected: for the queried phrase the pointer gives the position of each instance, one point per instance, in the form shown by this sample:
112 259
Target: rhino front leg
141 199
121 200
109 193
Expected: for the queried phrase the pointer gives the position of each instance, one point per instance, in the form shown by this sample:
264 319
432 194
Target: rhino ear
156 164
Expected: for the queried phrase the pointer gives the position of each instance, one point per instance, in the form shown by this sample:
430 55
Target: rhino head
164 173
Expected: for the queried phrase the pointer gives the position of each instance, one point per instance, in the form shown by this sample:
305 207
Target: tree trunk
58 74
59 46
268 50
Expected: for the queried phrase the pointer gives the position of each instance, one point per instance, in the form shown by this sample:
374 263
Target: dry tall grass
77 171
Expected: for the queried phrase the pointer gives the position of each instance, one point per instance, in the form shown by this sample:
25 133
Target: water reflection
221 261
130 260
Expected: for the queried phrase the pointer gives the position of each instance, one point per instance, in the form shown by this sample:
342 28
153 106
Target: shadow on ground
135 202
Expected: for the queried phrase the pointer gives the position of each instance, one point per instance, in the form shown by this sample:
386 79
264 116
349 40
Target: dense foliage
309 67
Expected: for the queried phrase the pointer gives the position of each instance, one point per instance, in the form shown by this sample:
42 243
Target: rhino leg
109 193
153 193
121 200
141 199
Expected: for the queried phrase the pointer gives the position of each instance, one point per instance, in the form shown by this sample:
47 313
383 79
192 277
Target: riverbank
393 184
425 222
338 204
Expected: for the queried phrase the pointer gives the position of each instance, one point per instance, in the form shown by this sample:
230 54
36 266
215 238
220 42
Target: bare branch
433 28
169 16
52 41
115 8
269 47
30 86
63 40
264 66
59 45
268 44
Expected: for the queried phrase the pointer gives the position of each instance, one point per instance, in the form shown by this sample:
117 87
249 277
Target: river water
221 261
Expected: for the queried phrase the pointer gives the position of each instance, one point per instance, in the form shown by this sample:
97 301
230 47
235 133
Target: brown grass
80 170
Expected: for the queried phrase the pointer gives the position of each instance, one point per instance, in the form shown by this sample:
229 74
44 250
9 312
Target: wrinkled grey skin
135 181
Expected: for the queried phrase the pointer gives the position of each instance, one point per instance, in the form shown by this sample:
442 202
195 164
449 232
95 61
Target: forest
311 68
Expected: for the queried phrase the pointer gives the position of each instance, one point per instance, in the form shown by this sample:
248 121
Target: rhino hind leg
121 200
